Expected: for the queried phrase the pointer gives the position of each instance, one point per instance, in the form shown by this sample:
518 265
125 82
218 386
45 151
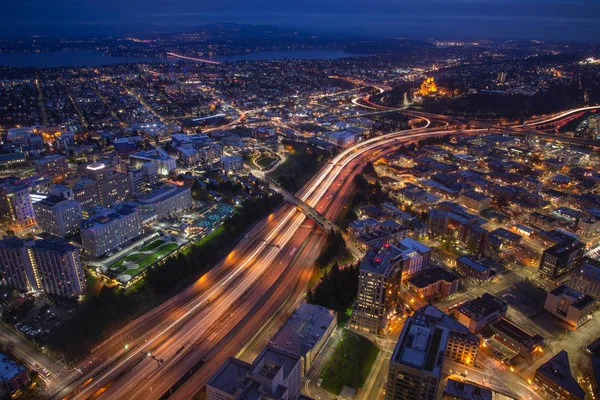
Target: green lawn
349 364
266 161
152 246
214 234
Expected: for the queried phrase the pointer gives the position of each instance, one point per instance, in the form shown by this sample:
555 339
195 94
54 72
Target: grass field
350 363
152 246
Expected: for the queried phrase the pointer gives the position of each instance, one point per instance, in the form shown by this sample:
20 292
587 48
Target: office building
13 376
274 374
15 204
53 166
434 283
109 228
101 186
561 258
555 381
305 333
164 162
166 201
51 266
380 274
58 216
586 279
570 305
480 312
415 370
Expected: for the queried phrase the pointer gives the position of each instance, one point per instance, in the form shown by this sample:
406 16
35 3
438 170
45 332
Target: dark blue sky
577 20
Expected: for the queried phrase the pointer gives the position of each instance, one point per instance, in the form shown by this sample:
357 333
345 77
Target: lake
92 58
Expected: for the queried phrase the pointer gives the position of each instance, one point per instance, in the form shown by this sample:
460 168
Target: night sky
572 20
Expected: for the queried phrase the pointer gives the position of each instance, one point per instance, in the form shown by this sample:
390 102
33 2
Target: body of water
91 58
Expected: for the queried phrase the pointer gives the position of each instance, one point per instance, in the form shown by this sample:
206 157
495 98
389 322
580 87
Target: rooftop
467 391
558 370
480 307
428 276
8 368
303 329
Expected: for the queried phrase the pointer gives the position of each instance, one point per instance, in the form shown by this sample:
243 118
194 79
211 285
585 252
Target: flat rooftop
231 377
303 329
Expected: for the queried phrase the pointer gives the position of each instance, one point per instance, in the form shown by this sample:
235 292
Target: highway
180 329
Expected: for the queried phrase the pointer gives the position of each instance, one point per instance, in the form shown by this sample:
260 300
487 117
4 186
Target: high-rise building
53 166
52 266
109 228
501 77
415 256
58 267
561 258
143 178
475 238
416 364
101 186
555 381
166 201
15 204
58 216
380 274
17 271
437 222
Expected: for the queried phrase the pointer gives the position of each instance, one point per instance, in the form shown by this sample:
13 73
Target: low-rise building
13 376
471 268
305 333
459 390
570 305
542 221
555 380
434 282
274 374
480 312
516 338
475 201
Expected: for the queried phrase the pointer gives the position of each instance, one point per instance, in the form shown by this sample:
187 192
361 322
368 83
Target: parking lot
525 296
